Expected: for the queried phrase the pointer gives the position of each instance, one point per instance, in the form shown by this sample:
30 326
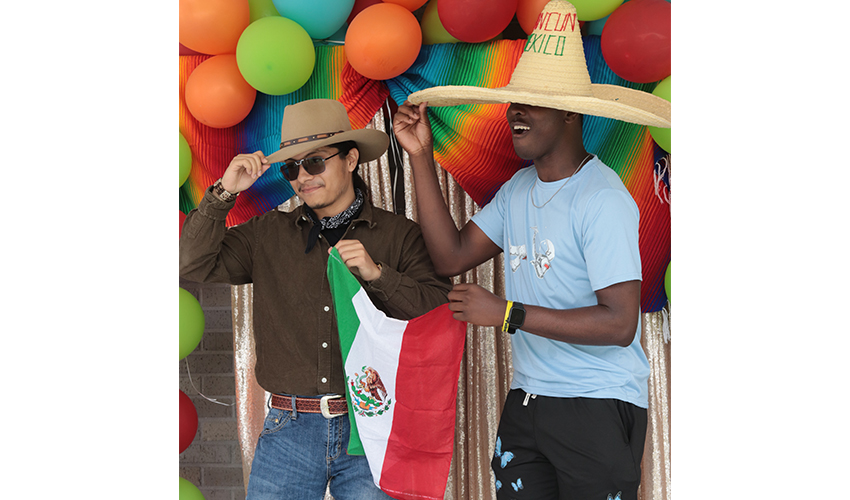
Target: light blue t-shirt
584 239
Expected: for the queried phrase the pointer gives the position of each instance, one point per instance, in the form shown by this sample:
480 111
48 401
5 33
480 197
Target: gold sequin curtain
485 369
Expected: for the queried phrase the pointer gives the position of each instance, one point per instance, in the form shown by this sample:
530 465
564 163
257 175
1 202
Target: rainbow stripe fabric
212 149
472 142
630 150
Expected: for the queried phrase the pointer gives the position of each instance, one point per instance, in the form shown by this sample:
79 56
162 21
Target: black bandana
332 227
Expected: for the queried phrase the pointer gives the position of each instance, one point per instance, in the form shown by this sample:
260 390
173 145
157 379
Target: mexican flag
402 380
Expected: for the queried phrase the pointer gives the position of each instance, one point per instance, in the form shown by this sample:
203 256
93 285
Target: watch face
517 316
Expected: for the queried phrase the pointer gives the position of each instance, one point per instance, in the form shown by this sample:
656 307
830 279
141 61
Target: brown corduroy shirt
295 333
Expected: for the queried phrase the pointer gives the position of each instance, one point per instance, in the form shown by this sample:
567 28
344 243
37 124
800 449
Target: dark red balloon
186 51
188 421
359 5
635 41
475 21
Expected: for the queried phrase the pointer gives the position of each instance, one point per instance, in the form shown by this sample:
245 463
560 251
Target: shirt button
325 345
324 380
327 308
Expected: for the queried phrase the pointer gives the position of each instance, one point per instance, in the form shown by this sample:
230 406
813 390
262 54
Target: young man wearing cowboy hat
302 448
574 422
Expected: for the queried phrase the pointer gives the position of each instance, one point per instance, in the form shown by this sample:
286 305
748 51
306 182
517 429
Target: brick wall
213 461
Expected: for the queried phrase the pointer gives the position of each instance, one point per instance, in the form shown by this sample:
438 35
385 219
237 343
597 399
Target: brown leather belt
329 406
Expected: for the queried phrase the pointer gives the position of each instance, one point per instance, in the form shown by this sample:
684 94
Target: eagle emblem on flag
369 397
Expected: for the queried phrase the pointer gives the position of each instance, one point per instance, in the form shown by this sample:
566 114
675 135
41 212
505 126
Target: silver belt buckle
323 404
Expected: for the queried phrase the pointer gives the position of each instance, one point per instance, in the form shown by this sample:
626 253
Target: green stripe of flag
344 286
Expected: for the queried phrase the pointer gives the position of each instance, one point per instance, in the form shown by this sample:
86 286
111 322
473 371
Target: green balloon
591 10
189 491
185 159
667 282
275 55
191 323
662 135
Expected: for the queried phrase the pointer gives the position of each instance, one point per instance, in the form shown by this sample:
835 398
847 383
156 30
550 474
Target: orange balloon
216 93
527 12
213 26
383 41
410 5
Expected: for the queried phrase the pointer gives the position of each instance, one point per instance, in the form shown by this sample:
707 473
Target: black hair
344 147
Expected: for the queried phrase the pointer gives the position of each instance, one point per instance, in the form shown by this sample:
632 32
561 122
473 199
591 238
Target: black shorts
568 448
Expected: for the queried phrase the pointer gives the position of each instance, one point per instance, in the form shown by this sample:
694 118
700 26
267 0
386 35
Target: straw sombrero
315 123
552 73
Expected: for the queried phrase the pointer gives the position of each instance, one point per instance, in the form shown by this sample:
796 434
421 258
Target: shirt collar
366 215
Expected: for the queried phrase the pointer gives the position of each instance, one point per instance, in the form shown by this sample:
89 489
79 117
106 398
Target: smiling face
536 132
331 191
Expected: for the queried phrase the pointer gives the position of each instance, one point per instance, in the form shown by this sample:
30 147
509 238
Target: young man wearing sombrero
574 423
302 448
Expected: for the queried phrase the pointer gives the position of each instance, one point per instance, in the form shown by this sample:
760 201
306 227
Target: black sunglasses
313 165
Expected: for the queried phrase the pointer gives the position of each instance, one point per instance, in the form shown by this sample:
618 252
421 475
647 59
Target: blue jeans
297 455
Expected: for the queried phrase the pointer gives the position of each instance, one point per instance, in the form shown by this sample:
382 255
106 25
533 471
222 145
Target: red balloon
475 21
216 93
359 5
186 51
635 41
188 421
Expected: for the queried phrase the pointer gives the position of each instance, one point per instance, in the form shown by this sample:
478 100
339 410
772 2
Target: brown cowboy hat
552 73
314 123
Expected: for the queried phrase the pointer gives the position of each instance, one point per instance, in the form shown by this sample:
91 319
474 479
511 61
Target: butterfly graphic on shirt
506 456
615 497
518 485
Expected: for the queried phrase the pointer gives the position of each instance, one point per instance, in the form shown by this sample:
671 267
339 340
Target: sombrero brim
370 142
609 101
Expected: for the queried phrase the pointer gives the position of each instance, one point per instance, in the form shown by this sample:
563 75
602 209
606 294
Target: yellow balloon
185 159
261 8
432 29
662 135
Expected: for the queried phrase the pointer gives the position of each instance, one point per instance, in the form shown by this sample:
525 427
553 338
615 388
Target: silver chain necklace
531 193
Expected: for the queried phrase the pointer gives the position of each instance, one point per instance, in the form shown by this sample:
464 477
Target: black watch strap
516 317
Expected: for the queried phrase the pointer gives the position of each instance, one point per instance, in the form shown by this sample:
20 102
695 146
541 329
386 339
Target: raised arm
208 251
453 251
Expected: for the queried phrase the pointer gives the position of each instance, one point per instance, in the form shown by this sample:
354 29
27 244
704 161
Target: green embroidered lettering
532 42
562 43
548 37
